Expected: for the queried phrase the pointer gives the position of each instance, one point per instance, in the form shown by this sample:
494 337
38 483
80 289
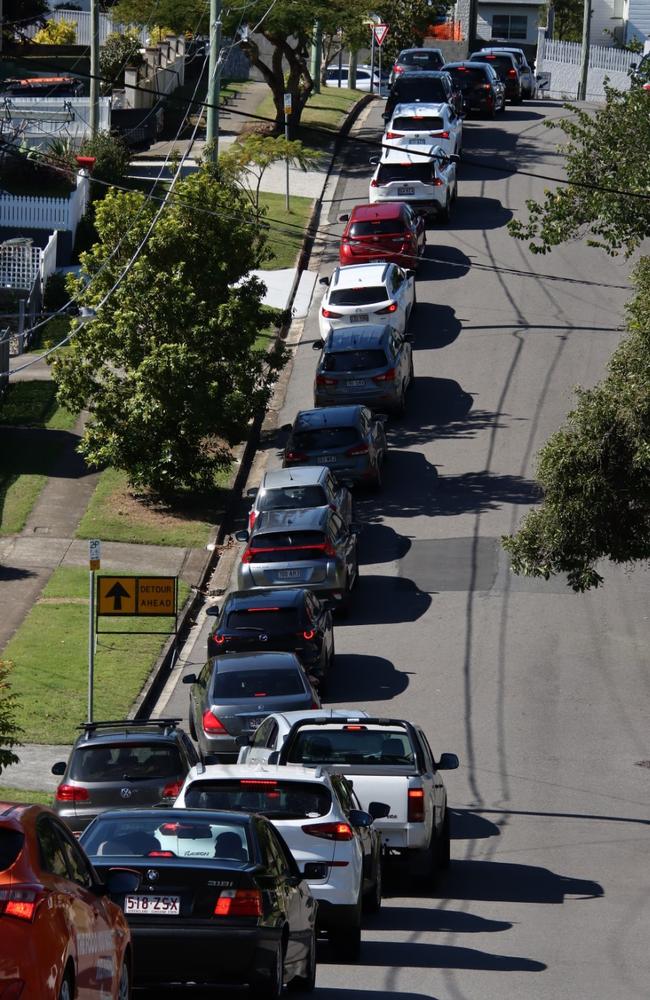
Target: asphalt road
542 693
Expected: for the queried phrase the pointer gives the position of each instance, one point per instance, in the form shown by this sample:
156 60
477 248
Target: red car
390 231
61 937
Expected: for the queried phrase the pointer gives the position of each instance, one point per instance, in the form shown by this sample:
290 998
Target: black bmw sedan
221 899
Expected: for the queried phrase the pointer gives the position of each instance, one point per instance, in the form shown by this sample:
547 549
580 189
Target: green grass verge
25 795
322 111
115 515
50 657
27 459
284 240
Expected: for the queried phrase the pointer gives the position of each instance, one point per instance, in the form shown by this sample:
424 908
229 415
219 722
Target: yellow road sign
136 595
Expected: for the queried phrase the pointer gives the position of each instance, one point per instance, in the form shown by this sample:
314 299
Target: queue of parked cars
221 856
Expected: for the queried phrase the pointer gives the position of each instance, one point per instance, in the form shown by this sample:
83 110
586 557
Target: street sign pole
287 112
372 60
94 557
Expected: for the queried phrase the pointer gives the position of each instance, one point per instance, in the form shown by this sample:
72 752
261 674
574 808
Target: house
513 21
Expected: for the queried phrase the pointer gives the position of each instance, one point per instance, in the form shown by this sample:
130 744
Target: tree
605 171
56 33
408 21
595 471
9 729
118 52
567 26
249 159
18 16
112 158
168 369
178 15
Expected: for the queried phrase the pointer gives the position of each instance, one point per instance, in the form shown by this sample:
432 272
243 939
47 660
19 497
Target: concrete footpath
48 540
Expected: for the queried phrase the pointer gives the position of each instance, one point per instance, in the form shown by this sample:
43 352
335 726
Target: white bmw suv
367 293
331 838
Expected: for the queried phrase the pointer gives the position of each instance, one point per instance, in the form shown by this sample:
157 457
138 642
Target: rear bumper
374 400
203 954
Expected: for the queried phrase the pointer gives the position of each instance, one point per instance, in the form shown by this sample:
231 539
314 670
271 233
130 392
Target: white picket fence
18 212
562 61
81 20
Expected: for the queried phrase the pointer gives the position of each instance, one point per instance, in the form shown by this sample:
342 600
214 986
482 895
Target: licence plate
157 906
406 190
417 141
290 574
325 459
358 317
356 381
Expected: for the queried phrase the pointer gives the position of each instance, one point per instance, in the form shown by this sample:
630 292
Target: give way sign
380 31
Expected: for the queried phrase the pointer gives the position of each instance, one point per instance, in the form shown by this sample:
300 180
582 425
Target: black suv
416 59
480 86
505 66
122 764
423 86
284 619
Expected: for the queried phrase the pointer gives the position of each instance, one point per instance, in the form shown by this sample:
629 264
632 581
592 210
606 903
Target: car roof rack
166 725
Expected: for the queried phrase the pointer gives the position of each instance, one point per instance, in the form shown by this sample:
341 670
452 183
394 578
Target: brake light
358 449
440 135
490 58
239 903
212 725
172 789
309 634
398 69
486 86
258 782
219 639
512 73
71 793
415 805
247 556
295 456
388 376
329 831
388 309
21 904
328 314
252 516
161 854
374 183
353 729
394 135
324 380
437 183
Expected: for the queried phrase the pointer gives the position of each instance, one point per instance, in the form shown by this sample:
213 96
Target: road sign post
287 112
94 563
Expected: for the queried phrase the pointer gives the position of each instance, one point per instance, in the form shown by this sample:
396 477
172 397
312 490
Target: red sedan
390 231
61 937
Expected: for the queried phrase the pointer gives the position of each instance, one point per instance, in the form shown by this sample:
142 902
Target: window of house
510 26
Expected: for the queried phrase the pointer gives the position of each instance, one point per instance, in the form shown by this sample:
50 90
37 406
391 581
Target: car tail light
239 903
329 831
358 449
398 69
440 135
328 314
308 634
486 86
12 989
295 456
219 639
388 309
324 380
161 854
388 376
512 73
374 183
353 729
172 789
247 556
212 725
393 135
258 782
415 805
437 182
71 793
252 517
20 903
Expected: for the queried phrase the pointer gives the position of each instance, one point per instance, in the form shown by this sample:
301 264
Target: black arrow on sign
117 592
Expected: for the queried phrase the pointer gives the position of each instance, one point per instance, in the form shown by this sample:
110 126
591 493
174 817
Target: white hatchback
367 293
426 180
420 125
331 838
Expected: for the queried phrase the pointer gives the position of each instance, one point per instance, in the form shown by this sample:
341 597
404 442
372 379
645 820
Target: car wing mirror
448 762
242 536
315 870
59 767
379 810
373 161
252 493
381 418
285 427
213 610
273 757
344 218
189 679
317 345
323 281
454 158
360 818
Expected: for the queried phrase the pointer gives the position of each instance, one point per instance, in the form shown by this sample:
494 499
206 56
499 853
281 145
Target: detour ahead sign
136 595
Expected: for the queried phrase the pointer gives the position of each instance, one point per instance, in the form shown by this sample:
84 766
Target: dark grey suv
118 764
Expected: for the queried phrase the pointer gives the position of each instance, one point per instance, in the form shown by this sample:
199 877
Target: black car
426 86
221 899
416 59
480 86
122 763
283 618
505 66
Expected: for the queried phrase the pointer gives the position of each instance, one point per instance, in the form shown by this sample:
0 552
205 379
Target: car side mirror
315 870
448 762
379 810
242 536
381 418
344 218
285 427
59 767
189 679
252 493
317 345
410 273
360 818
454 158
373 161
121 881
213 610
323 281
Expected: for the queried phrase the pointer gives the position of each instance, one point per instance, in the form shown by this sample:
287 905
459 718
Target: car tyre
502 109
445 215
345 941
372 901
400 406
444 843
270 987
306 983
65 993
192 727
124 988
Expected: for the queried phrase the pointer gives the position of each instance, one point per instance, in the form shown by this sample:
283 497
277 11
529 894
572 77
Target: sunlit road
543 694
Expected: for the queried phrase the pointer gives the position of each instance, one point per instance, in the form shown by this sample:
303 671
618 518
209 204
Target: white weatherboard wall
562 61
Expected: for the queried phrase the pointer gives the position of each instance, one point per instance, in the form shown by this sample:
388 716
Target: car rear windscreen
405 173
244 684
185 837
125 761
360 295
353 361
275 799
11 844
428 60
325 438
410 89
351 745
265 619
377 227
280 547
500 63
470 77
292 498
423 123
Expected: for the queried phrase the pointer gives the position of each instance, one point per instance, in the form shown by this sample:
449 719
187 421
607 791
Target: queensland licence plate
325 459
405 190
418 140
358 317
157 906
356 381
290 574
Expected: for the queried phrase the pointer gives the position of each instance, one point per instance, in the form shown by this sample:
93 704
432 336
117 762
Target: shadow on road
361 677
439 956
468 825
379 543
386 600
442 263
433 326
424 919
504 882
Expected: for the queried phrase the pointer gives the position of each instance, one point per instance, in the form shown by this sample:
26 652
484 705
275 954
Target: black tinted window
500 63
414 89
405 172
423 123
257 684
287 799
353 361
427 60
52 858
469 76
265 620
358 296
11 844
135 761
292 497
351 746
376 227
322 438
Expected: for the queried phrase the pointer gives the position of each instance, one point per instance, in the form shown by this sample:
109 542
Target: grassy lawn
114 514
50 656
27 458
322 111
23 795
285 240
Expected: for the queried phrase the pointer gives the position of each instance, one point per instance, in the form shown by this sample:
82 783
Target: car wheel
306 983
65 993
345 942
411 373
400 406
372 902
444 843
192 726
502 109
445 215
270 987
124 988
377 478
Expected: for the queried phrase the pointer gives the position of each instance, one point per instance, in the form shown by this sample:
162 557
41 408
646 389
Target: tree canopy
10 731
249 159
18 16
169 369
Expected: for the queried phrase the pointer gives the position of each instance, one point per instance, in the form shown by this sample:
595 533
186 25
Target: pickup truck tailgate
389 788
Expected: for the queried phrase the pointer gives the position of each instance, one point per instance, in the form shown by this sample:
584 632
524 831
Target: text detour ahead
137 595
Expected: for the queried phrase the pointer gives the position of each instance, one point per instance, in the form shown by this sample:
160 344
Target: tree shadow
438 409
360 677
433 326
443 263
8 573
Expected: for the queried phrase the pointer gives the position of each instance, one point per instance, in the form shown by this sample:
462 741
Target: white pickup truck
387 760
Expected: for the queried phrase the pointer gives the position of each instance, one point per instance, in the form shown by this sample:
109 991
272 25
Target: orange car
61 937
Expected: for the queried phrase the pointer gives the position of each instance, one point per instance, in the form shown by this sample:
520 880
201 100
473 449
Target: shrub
111 160
57 33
